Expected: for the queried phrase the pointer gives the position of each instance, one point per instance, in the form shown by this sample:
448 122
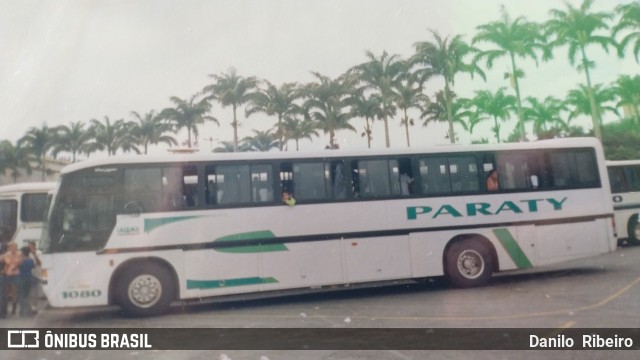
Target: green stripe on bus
263 234
513 249
152 224
216 284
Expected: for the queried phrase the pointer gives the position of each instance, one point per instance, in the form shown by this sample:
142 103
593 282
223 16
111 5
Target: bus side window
308 181
434 175
374 178
286 179
337 180
463 172
190 186
261 183
406 177
634 178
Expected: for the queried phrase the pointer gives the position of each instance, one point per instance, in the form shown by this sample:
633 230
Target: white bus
143 232
22 210
624 177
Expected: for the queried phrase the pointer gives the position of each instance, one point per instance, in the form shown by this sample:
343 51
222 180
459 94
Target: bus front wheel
145 290
468 263
633 229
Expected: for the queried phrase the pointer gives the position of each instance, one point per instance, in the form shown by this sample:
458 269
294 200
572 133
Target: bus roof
28 187
275 155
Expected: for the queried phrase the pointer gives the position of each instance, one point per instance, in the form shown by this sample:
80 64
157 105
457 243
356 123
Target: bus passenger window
309 181
190 186
337 180
402 176
434 175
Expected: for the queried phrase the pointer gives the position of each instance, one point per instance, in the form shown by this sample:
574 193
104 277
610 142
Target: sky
75 60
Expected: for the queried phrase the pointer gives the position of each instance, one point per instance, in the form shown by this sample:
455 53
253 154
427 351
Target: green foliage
621 140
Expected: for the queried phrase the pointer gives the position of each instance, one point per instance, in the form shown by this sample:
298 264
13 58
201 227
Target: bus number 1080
81 294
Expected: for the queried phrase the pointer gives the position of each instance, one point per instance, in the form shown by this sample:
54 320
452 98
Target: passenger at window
405 180
492 181
287 198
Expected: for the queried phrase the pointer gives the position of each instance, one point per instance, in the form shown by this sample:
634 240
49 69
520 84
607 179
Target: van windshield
8 219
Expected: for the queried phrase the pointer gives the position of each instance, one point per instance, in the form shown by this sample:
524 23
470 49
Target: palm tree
276 101
74 139
581 103
518 38
297 130
496 106
380 75
229 146
408 95
326 104
151 129
445 57
14 158
262 141
111 136
38 142
577 27
188 114
368 107
627 89
629 20
439 110
547 112
231 89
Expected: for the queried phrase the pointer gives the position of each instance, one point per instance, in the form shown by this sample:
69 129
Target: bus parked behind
624 177
23 207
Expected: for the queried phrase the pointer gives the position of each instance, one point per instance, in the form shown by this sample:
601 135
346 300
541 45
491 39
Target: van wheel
633 229
468 263
145 290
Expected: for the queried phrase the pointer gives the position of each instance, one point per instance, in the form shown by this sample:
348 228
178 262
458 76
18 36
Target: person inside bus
492 181
287 198
405 182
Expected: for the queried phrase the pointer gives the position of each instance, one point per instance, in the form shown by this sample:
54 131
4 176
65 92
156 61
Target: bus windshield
83 215
8 219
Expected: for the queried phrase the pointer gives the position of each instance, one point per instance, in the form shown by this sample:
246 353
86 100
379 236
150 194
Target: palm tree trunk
44 167
367 130
497 128
447 96
406 127
595 117
280 132
235 130
386 132
514 73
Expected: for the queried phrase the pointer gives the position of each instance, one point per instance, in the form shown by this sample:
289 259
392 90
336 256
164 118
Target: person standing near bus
24 282
36 286
3 300
11 271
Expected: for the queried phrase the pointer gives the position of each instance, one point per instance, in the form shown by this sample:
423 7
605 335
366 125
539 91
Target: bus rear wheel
468 263
633 229
145 290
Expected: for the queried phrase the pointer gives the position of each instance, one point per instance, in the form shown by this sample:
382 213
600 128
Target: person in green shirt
287 198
